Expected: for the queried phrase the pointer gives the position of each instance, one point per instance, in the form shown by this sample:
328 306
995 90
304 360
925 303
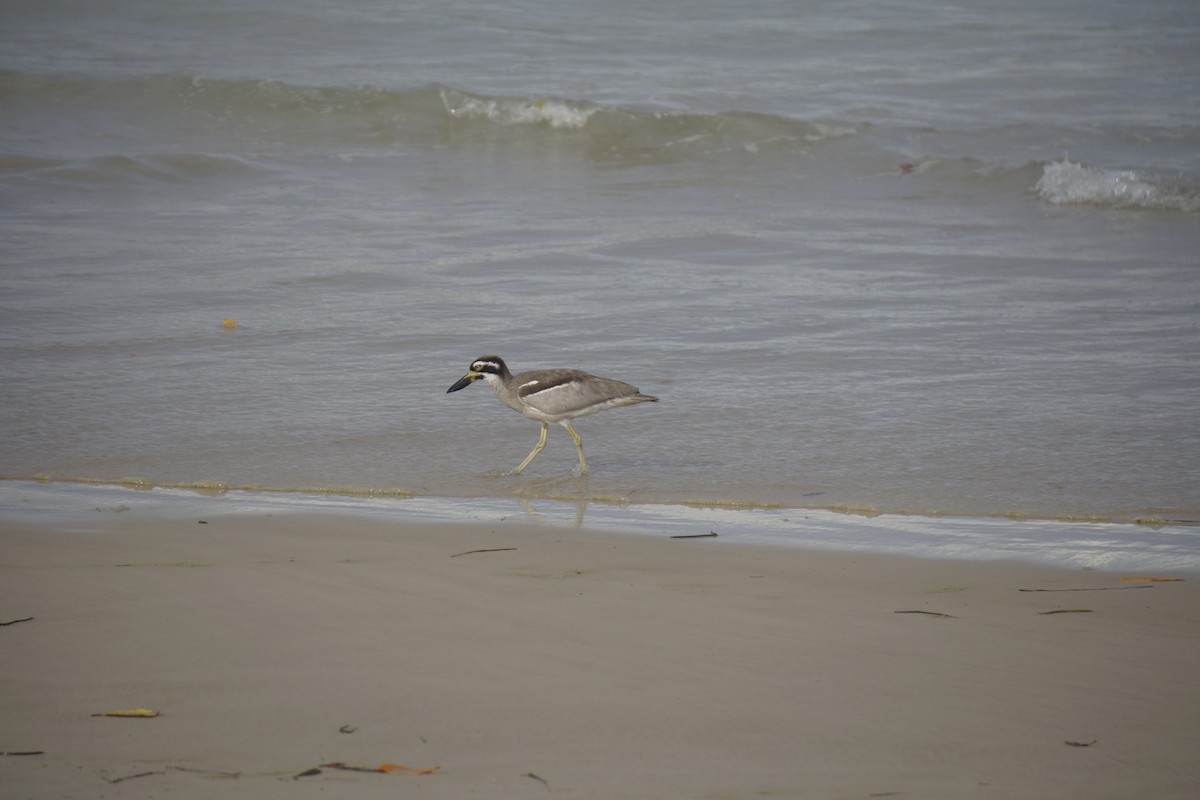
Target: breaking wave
1065 183
267 114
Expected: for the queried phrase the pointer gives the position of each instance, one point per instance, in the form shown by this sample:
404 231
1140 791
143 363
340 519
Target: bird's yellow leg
536 449
578 447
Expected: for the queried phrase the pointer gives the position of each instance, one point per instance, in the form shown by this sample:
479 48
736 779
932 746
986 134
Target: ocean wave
625 132
517 111
112 127
267 114
1065 183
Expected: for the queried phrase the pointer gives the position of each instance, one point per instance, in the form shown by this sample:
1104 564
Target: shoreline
541 490
524 659
1063 544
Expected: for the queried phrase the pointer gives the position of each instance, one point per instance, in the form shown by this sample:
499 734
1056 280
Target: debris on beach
708 535
537 778
384 768
131 777
1087 589
409 770
206 772
1154 580
1066 611
929 613
15 621
485 550
129 712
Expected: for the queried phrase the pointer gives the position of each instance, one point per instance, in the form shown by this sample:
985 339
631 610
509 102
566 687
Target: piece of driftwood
22 752
15 621
929 613
1081 744
709 535
485 550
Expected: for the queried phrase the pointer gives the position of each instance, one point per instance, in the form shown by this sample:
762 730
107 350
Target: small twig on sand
1082 744
708 535
130 777
14 622
1066 611
487 550
1092 589
215 773
538 778
930 613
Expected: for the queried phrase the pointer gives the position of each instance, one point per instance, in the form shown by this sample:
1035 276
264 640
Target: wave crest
516 111
1065 183
206 113
626 133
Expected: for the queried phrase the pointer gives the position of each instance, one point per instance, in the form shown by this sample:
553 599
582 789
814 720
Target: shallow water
1134 550
929 258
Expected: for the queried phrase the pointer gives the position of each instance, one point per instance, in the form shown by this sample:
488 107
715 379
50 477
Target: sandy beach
524 661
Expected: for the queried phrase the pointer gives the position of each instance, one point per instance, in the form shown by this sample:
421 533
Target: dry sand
576 664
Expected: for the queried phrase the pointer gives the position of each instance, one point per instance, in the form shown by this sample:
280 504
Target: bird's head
486 367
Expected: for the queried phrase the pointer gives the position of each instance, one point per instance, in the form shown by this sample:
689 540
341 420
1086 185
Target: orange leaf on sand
1152 579
410 770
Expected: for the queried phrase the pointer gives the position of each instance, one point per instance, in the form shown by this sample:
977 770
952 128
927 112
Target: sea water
924 258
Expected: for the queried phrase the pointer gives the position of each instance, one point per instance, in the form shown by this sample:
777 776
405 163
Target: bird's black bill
461 383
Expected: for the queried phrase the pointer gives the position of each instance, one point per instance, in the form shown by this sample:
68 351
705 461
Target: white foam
554 113
1068 183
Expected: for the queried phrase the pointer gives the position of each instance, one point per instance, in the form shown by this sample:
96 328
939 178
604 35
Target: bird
551 395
